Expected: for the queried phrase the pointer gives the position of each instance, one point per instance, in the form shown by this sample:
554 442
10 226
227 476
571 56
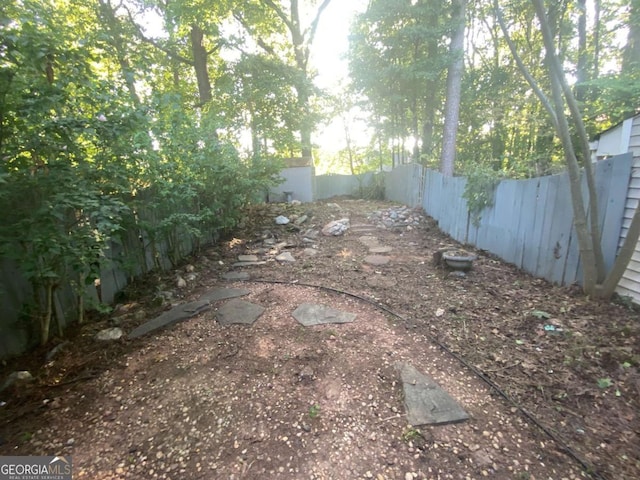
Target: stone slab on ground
285 257
363 228
381 281
224 293
238 311
187 310
425 401
247 258
380 249
309 314
377 259
248 264
231 276
175 315
369 241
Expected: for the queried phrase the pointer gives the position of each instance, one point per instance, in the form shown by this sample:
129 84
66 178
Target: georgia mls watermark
35 468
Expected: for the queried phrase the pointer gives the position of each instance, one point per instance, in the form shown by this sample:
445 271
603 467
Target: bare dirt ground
279 400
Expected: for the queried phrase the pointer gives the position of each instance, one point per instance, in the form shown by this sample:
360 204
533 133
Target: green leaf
604 383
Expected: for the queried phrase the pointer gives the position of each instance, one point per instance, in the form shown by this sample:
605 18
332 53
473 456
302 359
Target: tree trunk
200 65
581 70
454 86
588 238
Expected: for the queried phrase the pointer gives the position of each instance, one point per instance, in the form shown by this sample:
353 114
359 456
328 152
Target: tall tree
454 84
301 39
597 282
396 60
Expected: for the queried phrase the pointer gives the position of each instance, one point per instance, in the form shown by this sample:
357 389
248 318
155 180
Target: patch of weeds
411 434
523 476
604 383
314 411
541 314
626 302
25 437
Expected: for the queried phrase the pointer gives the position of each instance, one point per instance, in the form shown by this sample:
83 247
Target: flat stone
285 257
281 220
310 252
247 258
426 402
175 315
231 276
187 310
380 249
223 293
381 281
377 259
301 219
363 226
369 241
309 314
238 311
248 264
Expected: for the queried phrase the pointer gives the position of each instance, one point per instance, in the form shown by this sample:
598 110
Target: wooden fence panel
531 223
611 202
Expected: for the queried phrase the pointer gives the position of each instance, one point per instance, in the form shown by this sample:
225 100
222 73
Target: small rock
190 277
310 252
306 373
247 258
56 350
285 257
109 334
189 268
301 219
180 282
336 227
281 220
15 377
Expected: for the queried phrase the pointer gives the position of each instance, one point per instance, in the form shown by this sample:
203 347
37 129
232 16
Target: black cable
588 468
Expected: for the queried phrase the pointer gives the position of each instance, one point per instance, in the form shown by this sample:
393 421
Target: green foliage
479 191
93 172
314 411
604 383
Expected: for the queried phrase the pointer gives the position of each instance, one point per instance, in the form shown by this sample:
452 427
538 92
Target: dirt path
279 400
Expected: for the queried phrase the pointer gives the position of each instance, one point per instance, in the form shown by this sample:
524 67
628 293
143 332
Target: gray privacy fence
531 222
149 242
328 186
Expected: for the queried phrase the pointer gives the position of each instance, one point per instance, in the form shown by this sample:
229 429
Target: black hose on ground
588 468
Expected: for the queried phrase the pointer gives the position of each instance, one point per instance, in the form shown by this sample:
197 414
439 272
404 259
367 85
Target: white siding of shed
630 283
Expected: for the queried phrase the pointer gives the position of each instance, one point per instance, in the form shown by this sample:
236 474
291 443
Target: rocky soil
549 379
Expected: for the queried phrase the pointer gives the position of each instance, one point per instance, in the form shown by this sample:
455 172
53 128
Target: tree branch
261 43
546 103
278 11
156 44
314 24
555 67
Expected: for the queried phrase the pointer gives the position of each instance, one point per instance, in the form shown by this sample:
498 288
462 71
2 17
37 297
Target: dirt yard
278 400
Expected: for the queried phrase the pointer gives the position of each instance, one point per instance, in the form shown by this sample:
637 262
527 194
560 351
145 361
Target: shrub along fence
530 225
150 239
531 221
